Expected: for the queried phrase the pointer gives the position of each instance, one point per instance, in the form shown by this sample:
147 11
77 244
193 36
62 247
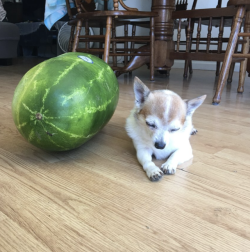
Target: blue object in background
56 9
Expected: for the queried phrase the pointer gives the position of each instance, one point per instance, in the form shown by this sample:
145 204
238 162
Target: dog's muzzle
160 145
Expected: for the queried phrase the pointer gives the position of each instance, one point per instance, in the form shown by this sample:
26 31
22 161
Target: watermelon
62 102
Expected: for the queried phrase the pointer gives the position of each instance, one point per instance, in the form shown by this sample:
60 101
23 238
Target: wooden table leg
161 40
245 50
229 53
107 39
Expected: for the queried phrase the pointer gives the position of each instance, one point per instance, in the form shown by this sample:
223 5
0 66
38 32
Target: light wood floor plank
98 198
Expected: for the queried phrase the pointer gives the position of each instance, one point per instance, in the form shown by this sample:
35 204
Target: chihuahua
160 125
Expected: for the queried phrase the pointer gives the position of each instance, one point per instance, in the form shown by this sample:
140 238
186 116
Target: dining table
163 30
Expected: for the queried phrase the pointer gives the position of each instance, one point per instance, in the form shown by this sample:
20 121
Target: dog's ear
141 91
193 104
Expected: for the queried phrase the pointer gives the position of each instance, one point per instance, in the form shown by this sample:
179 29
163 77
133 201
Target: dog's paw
154 174
194 131
169 168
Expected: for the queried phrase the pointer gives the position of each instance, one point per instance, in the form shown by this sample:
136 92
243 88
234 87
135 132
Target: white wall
142 5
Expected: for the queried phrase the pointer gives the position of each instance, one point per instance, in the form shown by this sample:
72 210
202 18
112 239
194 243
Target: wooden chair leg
126 43
221 30
71 38
101 43
185 74
132 45
231 72
245 50
242 75
77 34
190 66
114 44
229 53
87 33
217 68
152 52
188 46
186 61
107 39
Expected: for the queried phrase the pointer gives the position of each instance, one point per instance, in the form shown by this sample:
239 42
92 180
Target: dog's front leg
144 157
176 158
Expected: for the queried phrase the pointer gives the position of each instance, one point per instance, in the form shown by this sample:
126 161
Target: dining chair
109 19
216 23
86 6
242 8
204 40
213 17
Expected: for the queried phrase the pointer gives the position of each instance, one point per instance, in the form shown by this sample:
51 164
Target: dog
160 125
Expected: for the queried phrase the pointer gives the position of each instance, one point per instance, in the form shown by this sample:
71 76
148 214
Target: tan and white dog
160 125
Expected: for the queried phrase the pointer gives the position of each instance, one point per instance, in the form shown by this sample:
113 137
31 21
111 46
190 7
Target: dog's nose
160 145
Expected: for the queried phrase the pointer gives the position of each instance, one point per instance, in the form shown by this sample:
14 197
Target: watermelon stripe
49 138
63 131
27 78
42 124
57 81
65 72
31 135
71 134
100 75
21 125
76 92
56 144
99 108
27 108
60 117
43 99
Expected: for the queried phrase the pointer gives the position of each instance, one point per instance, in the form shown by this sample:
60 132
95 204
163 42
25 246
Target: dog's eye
173 130
151 125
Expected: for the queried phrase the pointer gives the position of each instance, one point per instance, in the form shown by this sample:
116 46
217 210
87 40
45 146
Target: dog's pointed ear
141 91
193 104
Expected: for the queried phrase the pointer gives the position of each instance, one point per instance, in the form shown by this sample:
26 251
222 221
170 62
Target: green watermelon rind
53 89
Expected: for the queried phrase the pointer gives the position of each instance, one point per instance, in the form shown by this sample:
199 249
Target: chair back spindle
178 36
116 5
79 6
198 35
220 36
188 46
209 29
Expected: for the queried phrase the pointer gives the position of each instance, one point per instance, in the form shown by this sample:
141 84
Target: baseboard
201 65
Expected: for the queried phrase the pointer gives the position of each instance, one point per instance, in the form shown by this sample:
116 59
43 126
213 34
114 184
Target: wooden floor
97 197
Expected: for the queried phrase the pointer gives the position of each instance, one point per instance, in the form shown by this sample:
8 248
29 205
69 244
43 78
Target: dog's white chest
163 154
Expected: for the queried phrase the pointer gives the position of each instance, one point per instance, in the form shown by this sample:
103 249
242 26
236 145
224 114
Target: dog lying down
160 125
